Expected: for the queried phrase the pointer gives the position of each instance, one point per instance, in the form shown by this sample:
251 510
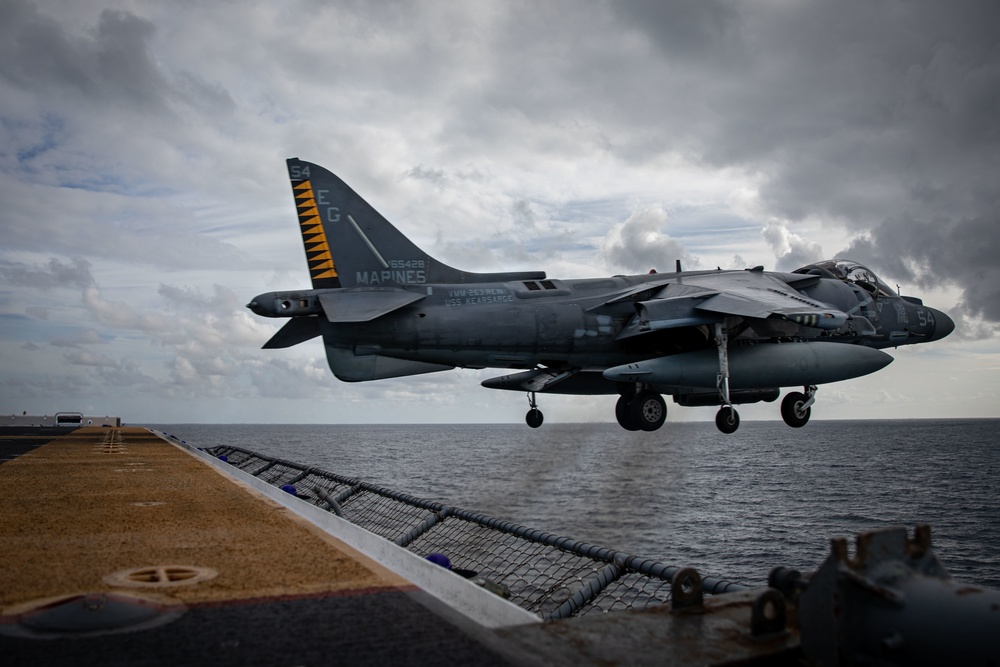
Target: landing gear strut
534 418
726 419
797 407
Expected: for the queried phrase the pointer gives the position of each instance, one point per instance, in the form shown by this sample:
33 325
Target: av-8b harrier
385 308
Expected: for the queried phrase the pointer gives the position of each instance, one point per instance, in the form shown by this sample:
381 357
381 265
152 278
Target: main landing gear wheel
792 411
624 415
647 410
727 419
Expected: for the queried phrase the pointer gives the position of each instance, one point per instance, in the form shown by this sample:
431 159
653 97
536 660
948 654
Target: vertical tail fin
321 267
349 243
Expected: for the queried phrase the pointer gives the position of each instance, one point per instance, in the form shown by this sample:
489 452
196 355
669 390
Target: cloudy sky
145 201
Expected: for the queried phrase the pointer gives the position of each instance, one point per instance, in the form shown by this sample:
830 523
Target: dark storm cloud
113 63
684 28
877 106
57 273
879 117
64 83
922 251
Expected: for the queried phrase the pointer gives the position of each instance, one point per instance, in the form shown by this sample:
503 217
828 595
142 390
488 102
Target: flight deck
119 525
122 546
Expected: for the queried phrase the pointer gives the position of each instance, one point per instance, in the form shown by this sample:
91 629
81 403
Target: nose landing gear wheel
727 419
792 412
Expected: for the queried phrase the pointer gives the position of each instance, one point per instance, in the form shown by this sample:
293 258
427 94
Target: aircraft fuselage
529 323
384 308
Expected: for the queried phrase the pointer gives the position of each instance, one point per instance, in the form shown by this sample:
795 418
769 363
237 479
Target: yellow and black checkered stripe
321 268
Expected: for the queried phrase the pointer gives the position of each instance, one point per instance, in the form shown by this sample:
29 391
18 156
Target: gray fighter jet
385 308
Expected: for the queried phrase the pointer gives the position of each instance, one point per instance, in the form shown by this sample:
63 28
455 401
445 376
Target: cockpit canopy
850 272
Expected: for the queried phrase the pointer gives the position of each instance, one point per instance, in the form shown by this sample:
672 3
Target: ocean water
731 506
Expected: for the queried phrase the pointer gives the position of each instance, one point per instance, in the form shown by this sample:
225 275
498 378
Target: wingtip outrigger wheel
534 418
727 419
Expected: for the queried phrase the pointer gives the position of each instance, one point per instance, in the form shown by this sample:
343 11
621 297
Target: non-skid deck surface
103 511
89 504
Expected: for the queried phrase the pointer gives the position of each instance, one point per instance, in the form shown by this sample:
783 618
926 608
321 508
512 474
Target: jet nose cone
943 325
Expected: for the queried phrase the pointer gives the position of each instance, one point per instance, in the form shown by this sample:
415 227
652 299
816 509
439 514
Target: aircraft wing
538 379
709 298
571 381
757 303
